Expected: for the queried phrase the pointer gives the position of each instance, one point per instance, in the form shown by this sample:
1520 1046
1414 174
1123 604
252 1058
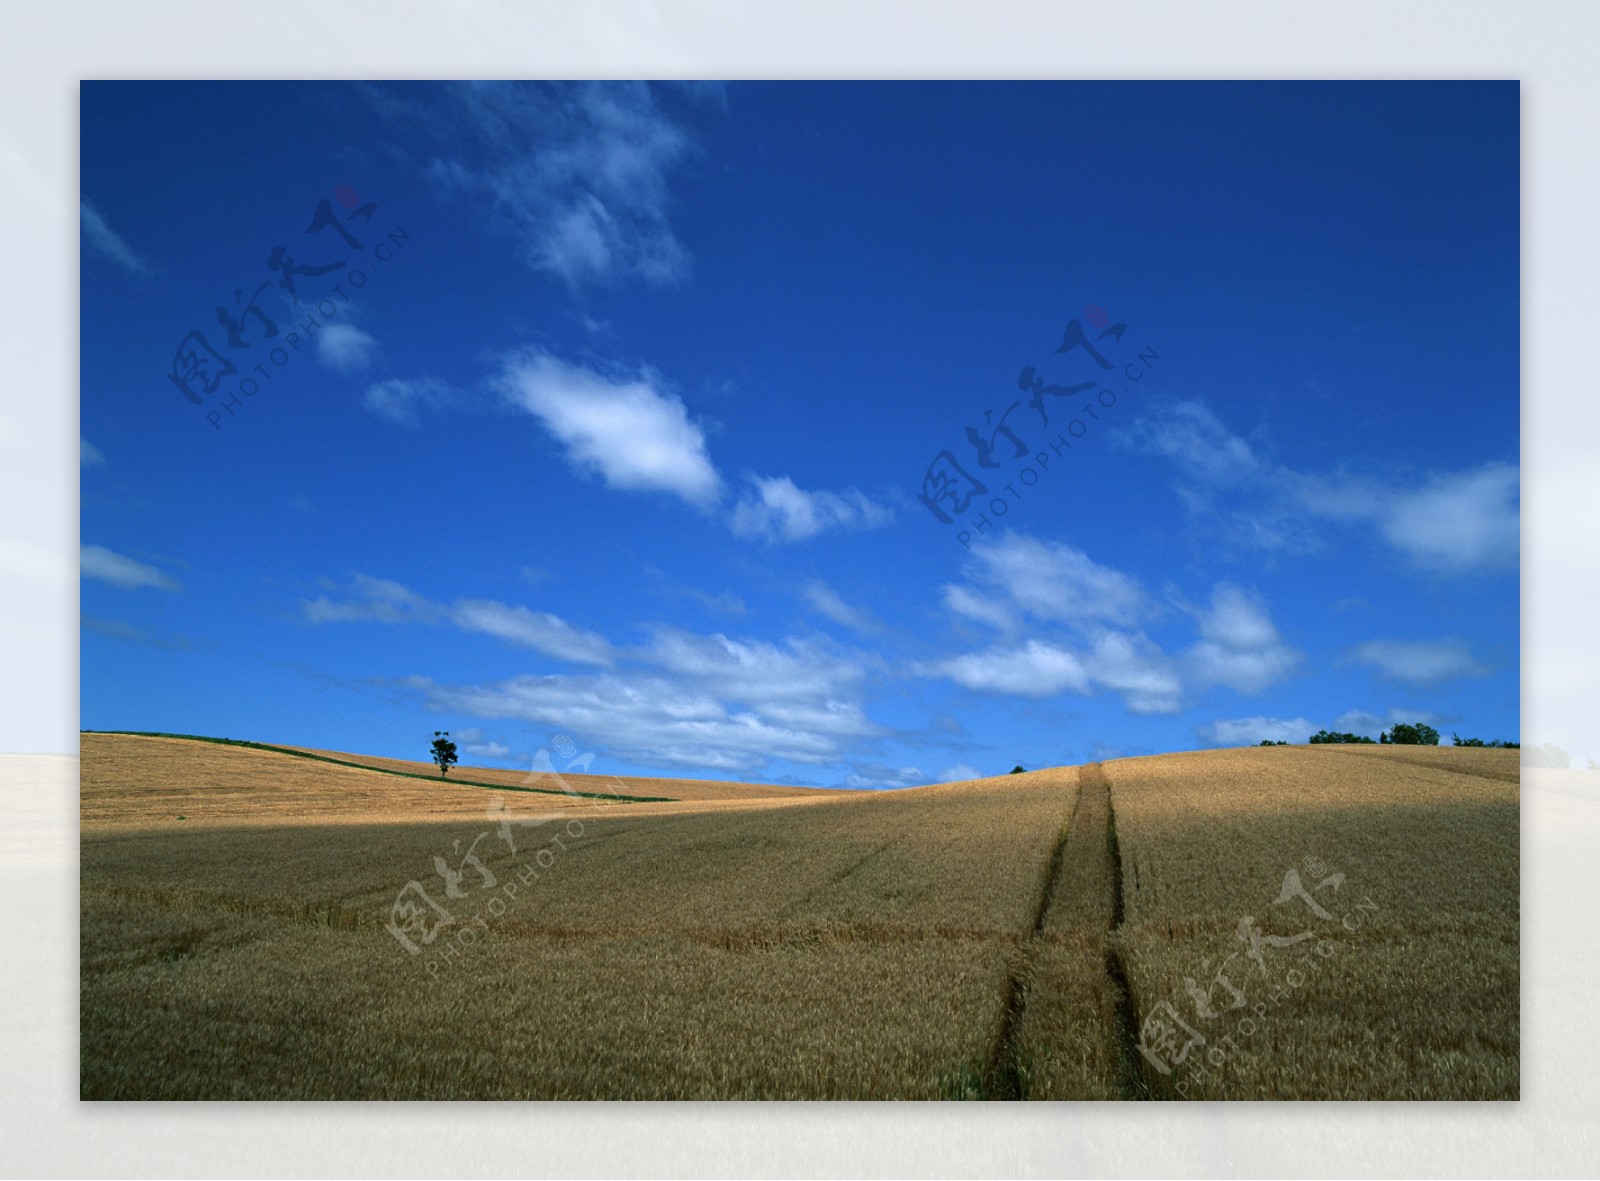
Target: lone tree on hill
444 751
1017 770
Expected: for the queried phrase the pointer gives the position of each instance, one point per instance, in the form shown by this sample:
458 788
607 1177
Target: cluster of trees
1406 734
1400 734
1327 736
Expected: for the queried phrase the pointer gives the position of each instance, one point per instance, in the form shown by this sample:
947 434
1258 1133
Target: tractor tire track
1082 896
1003 1076
1130 1079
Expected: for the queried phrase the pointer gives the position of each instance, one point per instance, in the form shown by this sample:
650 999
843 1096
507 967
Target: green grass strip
301 754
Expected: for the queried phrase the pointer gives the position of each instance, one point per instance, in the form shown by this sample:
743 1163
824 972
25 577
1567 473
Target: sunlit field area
1268 923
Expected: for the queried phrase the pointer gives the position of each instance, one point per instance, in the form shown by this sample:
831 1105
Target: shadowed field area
313 930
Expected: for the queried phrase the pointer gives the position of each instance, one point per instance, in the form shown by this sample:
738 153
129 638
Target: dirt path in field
1081 894
1003 1077
1125 1033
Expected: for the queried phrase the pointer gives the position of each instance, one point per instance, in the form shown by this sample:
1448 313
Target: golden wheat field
1275 923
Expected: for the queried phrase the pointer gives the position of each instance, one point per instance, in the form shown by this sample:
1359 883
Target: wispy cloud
88 454
798 682
1136 668
1198 444
378 600
1254 731
578 173
476 743
725 603
1459 520
101 239
121 571
1075 625
958 774
1031 669
1239 645
1361 721
1418 662
872 776
344 348
405 400
538 630
1443 522
777 510
712 702
706 702
121 629
1016 574
825 601
644 718
632 433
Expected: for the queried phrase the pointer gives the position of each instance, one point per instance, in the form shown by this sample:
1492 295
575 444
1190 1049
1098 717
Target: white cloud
1049 581
1445 522
1361 721
1358 721
1017 583
403 400
777 510
1137 669
963 600
98 562
100 238
578 173
1239 646
1033 669
634 435
712 702
88 454
344 348
1418 662
804 675
474 742
826 602
1460 520
650 718
1197 442
881 775
726 603
958 774
1450 523
538 630
121 629
1253 731
379 600
1016 579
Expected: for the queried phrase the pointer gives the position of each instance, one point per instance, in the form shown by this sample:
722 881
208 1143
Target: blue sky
623 432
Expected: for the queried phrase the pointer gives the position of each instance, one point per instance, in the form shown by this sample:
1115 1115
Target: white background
46 49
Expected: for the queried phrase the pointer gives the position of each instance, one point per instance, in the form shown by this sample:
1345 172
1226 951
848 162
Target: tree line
1400 734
